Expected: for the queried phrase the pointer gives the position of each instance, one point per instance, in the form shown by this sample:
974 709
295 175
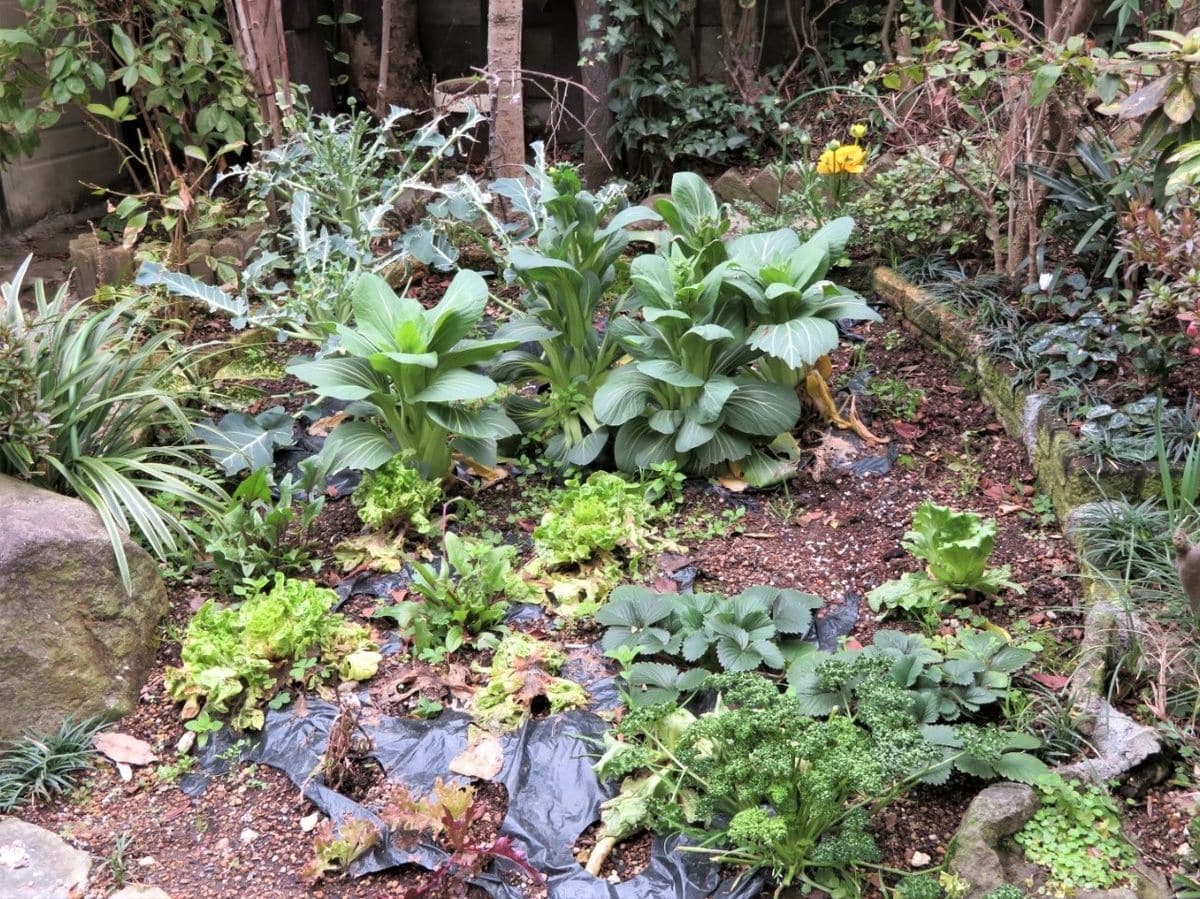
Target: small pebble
248 835
920 859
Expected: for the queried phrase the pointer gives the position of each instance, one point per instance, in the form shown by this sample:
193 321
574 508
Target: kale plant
757 781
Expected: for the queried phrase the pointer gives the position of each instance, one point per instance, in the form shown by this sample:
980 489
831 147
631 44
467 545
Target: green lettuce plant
523 669
955 547
233 659
396 495
408 370
592 517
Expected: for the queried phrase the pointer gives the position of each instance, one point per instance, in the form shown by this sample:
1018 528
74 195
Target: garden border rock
1062 471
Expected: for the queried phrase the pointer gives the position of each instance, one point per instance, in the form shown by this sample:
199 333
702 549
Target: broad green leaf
670 373
1044 80
456 385
340 377
622 396
637 446
489 422
359 445
751 252
526 329
798 343
459 311
761 408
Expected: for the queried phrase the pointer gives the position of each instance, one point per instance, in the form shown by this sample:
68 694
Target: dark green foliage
37 768
758 781
759 627
918 207
259 534
24 426
467 595
112 403
581 235
660 118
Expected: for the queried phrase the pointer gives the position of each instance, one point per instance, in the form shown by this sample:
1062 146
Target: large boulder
73 642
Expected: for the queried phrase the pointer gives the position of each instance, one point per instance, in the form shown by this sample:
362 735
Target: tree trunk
739 27
507 137
405 83
595 76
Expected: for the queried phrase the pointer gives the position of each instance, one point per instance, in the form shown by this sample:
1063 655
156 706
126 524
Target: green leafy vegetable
234 658
396 494
956 547
409 370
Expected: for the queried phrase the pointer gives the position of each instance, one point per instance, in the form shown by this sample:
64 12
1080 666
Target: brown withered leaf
124 749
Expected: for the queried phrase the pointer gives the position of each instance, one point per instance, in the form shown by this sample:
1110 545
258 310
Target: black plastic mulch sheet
553 796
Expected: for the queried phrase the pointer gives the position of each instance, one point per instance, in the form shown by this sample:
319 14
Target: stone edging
1062 471
1123 748
97 264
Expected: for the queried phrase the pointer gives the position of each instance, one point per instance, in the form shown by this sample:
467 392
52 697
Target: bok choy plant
408 372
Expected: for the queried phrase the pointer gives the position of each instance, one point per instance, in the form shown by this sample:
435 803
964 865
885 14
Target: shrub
917 207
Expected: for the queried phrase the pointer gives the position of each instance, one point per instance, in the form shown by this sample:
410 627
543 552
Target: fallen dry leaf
124 749
906 431
322 426
482 760
1055 682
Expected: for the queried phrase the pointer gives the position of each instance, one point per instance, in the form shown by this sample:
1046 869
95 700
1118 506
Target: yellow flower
858 131
850 159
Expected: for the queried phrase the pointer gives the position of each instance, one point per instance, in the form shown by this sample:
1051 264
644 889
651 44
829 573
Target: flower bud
858 130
